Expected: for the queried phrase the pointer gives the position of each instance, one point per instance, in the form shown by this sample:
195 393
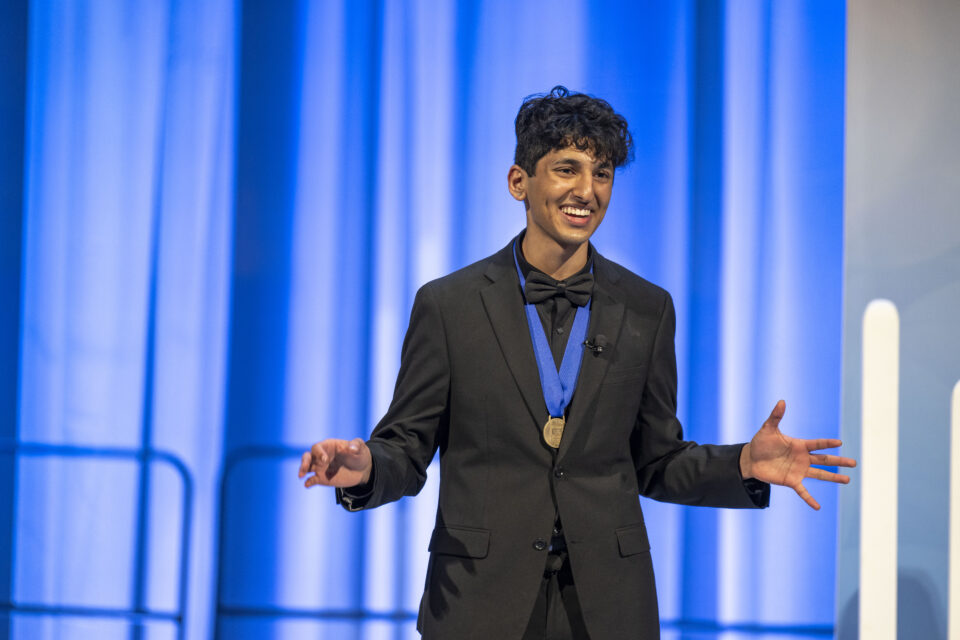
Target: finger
822 443
832 461
318 452
776 415
305 461
323 471
324 452
827 476
334 467
803 493
313 480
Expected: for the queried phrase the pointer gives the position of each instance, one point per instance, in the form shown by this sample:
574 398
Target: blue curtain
215 216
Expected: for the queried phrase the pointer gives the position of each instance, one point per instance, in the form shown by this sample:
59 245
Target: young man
546 377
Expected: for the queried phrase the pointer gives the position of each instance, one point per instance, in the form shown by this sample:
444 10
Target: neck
557 261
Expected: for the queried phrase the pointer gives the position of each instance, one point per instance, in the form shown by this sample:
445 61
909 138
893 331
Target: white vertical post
953 589
878 478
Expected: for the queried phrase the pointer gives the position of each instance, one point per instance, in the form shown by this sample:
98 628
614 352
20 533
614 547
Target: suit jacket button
540 544
559 473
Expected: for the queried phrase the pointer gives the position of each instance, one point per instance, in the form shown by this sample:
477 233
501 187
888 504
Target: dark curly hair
560 119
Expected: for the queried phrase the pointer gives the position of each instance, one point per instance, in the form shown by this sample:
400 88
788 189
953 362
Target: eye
567 171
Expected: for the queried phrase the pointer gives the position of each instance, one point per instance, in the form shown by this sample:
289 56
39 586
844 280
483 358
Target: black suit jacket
468 386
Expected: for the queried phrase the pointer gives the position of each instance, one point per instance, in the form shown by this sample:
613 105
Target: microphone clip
597 345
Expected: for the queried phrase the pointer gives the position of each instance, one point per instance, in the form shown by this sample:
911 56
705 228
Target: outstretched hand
337 463
776 458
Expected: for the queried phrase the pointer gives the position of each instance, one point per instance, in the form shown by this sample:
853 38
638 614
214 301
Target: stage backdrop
216 215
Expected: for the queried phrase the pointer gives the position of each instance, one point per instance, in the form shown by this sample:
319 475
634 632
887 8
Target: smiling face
565 200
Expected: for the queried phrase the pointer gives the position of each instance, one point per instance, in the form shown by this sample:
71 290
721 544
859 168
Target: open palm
774 457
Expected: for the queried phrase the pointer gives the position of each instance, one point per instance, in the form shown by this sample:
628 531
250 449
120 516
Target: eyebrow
576 163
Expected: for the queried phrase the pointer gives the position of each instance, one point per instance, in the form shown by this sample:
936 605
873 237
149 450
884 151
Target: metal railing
223 610
134 615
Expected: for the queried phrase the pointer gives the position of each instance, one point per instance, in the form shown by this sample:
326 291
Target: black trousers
556 614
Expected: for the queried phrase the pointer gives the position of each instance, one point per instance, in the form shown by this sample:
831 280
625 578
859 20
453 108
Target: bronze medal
553 431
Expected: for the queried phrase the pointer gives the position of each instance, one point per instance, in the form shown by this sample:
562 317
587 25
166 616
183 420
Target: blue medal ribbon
557 386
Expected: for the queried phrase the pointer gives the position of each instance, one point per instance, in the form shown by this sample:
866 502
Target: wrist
367 476
746 469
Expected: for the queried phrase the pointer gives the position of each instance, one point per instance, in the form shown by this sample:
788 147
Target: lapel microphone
598 345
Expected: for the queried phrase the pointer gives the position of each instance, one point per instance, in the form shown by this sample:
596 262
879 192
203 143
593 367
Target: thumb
356 446
776 415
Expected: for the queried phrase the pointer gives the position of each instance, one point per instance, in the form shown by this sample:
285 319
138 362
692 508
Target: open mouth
576 215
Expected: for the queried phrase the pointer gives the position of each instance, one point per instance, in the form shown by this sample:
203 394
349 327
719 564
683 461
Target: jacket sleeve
668 467
406 439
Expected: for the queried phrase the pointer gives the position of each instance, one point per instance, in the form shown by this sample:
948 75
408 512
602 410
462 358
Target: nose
583 188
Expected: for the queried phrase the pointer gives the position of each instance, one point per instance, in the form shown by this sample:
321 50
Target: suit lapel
606 318
503 302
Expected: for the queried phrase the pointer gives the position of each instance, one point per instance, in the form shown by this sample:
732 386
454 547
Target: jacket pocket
633 539
465 542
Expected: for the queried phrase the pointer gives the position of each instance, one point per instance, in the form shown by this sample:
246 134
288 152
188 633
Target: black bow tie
542 287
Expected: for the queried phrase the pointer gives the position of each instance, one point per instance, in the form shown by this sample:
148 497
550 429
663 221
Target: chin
575 238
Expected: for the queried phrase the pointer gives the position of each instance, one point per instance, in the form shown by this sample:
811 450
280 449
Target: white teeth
573 211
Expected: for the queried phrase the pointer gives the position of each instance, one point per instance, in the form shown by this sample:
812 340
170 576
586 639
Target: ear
517 182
